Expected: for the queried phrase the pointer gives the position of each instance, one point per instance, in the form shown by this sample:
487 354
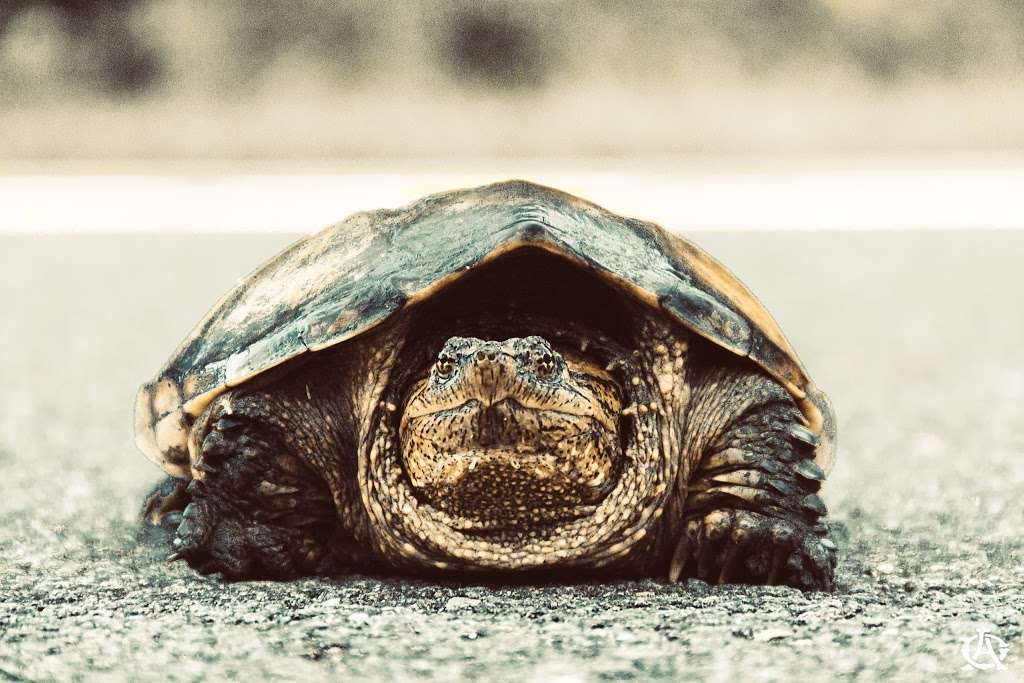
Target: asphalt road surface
917 337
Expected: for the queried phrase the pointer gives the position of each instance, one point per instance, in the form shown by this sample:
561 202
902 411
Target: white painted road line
849 199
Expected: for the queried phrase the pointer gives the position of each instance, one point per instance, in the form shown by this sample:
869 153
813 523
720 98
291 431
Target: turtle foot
214 540
742 546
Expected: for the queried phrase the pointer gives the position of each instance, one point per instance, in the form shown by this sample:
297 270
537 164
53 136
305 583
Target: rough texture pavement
917 337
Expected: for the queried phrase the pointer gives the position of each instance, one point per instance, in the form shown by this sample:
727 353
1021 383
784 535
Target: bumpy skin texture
752 513
510 433
259 510
282 474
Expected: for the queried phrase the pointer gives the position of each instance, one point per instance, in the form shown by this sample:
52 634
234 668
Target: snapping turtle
500 379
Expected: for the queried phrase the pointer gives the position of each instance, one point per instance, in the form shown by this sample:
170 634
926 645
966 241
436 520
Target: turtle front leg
254 509
752 513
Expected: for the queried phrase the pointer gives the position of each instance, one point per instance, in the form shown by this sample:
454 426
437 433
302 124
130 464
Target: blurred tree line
130 47
372 77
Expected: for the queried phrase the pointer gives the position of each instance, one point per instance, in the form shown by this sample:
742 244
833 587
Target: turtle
505 380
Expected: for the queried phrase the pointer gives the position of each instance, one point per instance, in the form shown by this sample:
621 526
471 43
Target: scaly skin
672 458
507 434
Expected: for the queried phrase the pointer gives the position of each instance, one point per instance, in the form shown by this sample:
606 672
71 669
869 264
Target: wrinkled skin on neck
503 434
571 435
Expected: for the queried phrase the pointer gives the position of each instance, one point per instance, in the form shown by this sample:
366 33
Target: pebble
359 619
459 603
769 635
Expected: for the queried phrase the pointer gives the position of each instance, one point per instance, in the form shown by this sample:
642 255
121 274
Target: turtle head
506 433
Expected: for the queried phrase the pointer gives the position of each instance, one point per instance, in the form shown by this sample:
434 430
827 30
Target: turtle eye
445 367
545 365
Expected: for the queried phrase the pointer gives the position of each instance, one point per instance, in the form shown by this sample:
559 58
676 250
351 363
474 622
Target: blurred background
365 79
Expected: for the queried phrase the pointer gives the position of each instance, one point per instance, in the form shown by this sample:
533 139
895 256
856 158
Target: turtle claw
214 541
743 546
162 507
679 557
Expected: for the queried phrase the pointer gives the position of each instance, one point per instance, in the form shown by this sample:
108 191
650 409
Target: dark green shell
337 284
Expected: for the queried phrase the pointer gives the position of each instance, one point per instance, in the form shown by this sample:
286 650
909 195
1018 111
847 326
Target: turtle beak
491 370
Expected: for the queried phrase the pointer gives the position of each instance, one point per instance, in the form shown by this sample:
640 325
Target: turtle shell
350 277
